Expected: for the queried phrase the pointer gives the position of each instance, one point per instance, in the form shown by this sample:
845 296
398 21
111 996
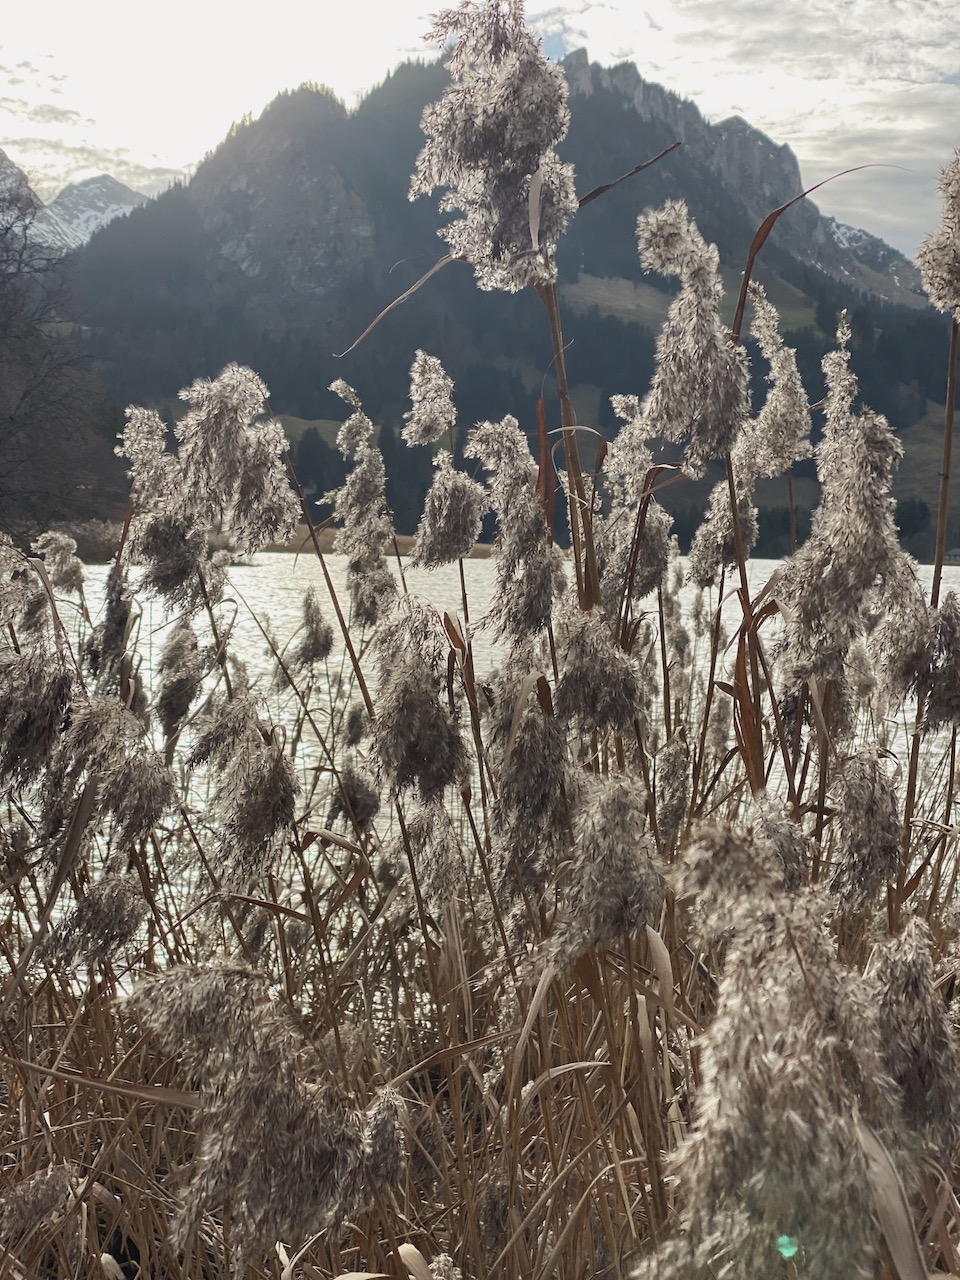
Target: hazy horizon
82 92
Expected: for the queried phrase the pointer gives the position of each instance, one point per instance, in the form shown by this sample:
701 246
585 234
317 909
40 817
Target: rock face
278 206
760 175
84 207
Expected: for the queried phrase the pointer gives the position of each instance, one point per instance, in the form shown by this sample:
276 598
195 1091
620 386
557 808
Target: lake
270 589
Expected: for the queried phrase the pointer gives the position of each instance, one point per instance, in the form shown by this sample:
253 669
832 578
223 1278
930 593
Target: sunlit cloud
47 113
51 166
844 84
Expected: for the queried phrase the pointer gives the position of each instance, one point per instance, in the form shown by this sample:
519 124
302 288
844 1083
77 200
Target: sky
143 92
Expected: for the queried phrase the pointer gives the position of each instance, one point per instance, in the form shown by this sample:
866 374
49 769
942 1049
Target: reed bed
635 956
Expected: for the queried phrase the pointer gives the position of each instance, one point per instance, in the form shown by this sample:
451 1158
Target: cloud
47 113
842 83
821 38
15 106
51 166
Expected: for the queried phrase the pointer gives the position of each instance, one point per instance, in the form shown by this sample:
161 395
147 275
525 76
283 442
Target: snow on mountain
85 207
45 227
78 211
847 237
880 268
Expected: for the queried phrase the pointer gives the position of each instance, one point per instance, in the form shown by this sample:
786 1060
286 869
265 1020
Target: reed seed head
312 1163
699 387
105 920
790 1064
869 837
452 516
178 565
672 787
181 671
35 1198
617 882
419 743
431 391
853 546
919 1040
529 571
600 685
630 564
939 256
59 552
256 789
361 508
490 140
356 798
35 693
780 435
438 860
714 546
943 702
358 724
316 639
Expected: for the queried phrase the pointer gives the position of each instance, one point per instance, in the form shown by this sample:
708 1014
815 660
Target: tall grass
634 955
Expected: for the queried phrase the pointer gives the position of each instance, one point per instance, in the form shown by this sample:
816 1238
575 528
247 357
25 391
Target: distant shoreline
301 541
97 542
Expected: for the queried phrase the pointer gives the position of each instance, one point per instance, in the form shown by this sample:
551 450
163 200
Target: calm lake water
272 587
269 593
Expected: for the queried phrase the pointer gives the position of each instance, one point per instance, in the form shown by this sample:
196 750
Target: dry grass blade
155 1095
353 1275
447 1055
441 262
609 186
415 1262
893 1207
661 962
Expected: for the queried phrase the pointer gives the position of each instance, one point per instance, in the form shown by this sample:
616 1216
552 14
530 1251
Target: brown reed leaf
155 1094
763 232
415 1262
893 1207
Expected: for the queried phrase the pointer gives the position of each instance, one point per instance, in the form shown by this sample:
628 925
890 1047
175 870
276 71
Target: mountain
759 174
84 207
80 209
46 228
296 232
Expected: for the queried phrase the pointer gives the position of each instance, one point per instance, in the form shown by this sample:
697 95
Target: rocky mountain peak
272 183
761 175
45 228
84 207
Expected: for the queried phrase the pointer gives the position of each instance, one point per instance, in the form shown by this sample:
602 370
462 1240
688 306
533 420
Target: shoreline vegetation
97 542
634 958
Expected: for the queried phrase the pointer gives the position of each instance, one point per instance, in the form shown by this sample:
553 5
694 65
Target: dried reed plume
490 141
314 1161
